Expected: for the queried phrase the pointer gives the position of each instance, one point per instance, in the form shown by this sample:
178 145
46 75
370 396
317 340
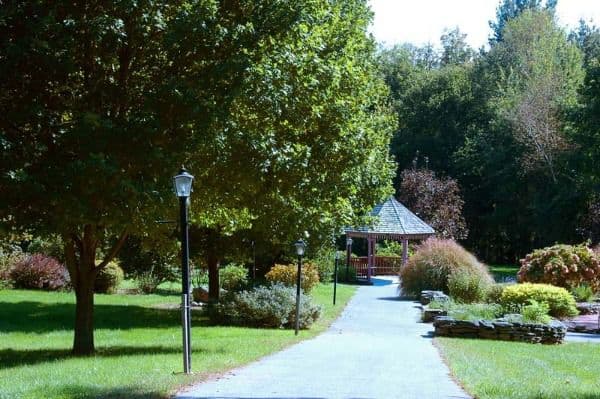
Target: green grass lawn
506 370
503 273
138 345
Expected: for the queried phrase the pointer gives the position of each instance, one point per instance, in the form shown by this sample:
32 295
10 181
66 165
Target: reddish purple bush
436 200
39 271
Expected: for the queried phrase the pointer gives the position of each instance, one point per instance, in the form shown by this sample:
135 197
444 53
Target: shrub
109 278
559 300
494 292
583 293
233 277
287 274
39 271
50 246
474 311
147 282
432 264
563 266
150 266
351 277
271 307
9 257
536 312
467 287
324 262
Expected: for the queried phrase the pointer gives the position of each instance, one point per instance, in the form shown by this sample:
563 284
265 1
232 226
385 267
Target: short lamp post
300 247
348 255
335 275
183 187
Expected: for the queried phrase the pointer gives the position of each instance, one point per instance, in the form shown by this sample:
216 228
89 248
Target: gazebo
392 221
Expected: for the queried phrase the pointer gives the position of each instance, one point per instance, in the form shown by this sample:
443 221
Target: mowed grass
506 370
138 342
504 273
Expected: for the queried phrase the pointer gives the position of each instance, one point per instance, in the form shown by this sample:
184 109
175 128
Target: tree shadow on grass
15 358
89 392
40 317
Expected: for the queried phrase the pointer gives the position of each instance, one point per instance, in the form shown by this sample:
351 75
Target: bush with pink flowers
567 266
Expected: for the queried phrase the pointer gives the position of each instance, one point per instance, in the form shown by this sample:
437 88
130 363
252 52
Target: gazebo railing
383 265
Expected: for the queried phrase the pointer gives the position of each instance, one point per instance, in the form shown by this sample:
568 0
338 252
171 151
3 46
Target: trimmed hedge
559 300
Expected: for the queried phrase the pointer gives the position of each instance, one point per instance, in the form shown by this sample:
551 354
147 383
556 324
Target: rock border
552 333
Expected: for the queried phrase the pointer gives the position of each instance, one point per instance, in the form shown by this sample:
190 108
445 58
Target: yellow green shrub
287 274
559 300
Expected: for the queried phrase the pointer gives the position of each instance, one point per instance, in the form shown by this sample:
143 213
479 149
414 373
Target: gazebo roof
393 220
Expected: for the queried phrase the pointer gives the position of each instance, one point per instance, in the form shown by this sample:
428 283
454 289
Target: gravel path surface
376 349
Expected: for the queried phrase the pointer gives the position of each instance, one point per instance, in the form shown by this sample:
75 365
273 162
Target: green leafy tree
276 108
510 9
455 47
516 173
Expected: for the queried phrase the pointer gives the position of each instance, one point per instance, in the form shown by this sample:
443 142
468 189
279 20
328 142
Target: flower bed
501 329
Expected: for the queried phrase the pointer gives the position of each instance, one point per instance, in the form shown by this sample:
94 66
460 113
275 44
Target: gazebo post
369 256
404 251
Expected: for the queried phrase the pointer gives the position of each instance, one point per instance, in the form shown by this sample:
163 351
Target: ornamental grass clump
434 261
560 302
287 274
561 265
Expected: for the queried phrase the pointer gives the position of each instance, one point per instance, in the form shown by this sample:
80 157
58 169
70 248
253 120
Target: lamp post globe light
300 248
182 184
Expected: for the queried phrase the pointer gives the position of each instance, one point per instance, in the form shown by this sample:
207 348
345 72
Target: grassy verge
511 370
504 273
138 345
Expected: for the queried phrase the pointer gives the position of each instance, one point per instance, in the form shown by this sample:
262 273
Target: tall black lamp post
183 187
300 247
348 255
335 274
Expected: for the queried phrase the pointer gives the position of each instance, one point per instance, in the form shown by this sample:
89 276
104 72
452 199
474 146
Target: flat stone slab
376 349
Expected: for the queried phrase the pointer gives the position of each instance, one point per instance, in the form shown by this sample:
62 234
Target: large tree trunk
213 261
80 255
83 343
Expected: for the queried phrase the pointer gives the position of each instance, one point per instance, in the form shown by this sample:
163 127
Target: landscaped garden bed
461 300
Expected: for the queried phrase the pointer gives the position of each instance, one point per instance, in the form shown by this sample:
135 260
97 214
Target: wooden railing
383 265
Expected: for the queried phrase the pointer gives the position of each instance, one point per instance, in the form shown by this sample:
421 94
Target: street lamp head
349 241
182 183
300 247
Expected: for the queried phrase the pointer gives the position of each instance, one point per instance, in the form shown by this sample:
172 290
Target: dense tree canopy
276 108
514 125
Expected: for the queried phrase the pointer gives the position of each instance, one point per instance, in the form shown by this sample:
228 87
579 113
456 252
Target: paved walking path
376 349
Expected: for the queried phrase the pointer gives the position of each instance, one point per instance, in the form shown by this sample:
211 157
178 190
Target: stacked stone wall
553 333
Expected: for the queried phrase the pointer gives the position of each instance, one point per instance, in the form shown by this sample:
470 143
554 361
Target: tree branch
114 250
